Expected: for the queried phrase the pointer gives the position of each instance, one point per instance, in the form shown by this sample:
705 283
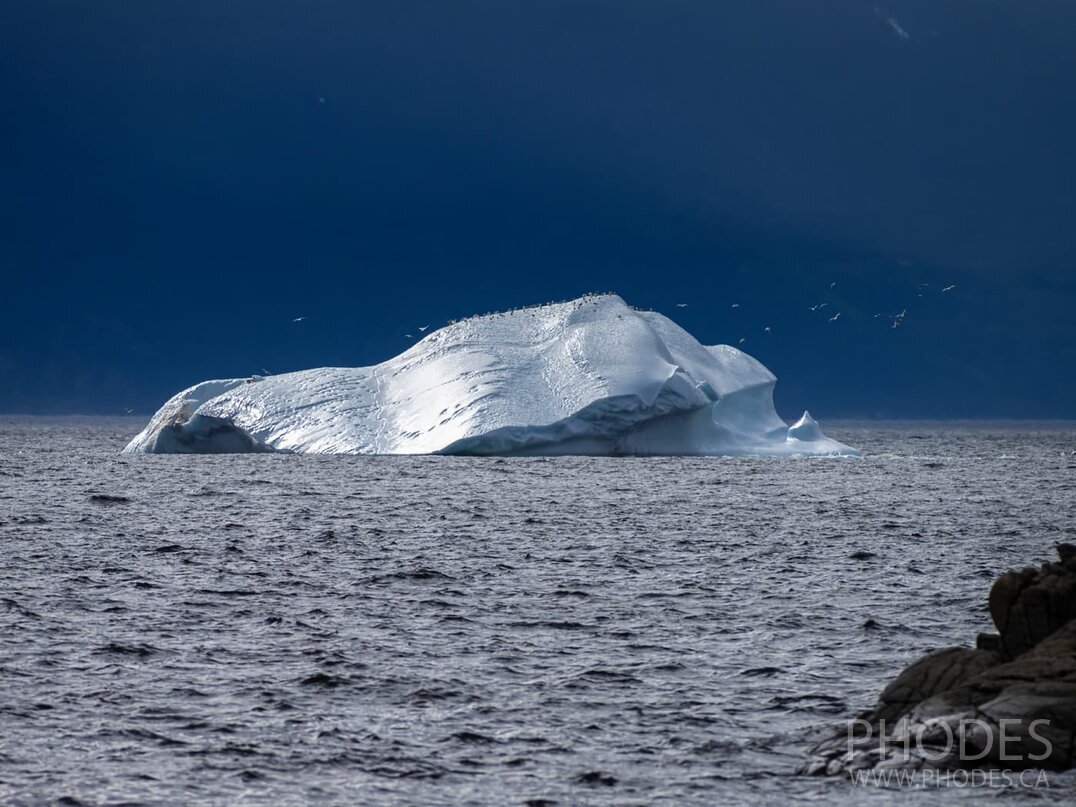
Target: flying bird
681 305
743 340
835 317
298 319
422 328
735 305
767 329
949 288
819 306
898 29
833 285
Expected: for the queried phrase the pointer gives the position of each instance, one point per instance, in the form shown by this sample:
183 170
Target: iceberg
589 376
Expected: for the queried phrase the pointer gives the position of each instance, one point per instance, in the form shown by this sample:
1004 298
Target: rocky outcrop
1009 703
1030 605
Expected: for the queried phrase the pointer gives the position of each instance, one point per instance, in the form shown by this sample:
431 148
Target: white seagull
298 319
949 288
422 328
681 305
835 317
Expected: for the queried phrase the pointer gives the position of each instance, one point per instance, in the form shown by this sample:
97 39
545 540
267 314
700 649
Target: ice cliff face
591 376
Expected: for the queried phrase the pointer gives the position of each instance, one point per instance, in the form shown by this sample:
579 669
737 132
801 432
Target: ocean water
434 630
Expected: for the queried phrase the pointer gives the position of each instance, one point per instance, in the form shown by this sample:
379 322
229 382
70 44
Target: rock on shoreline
1009 703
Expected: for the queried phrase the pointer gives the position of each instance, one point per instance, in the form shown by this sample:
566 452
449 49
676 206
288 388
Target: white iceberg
590 376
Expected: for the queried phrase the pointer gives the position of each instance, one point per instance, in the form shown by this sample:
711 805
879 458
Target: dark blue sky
180 180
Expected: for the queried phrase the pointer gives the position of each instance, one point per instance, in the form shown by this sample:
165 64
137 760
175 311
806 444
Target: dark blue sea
274 629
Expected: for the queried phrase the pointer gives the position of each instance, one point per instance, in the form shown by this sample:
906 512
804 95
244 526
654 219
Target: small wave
471 737
608 677
761 672
414 574
597 778
115 648
108 498
549 623
324 680
13 605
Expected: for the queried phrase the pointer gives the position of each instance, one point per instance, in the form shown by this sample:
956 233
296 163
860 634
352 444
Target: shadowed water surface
279 629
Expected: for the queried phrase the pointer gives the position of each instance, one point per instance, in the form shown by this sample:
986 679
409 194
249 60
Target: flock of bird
895 320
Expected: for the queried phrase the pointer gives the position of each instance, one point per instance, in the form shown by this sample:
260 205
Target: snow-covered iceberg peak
807 432
590 376
806 428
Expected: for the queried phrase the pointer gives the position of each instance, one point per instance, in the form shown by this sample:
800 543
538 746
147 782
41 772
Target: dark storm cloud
185 177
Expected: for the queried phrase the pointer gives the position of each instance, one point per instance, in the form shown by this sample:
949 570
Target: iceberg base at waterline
591 376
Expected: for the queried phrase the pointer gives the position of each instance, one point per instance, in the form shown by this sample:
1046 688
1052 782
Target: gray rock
1008 704
933 674
1029 605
